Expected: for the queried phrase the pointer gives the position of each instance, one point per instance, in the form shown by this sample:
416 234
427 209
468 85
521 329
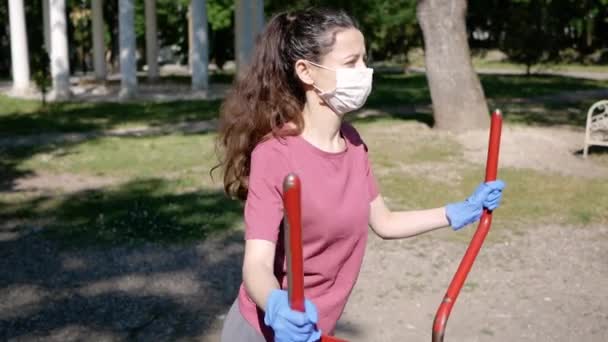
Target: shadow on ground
80 117
594 150
122 264
126 263
149 293
138 211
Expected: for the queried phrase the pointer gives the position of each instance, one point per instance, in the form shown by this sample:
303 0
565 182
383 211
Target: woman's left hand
487 195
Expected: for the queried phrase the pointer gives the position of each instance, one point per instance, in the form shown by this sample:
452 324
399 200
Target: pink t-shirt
337 189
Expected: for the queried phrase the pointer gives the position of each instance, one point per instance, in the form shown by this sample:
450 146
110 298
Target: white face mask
353 86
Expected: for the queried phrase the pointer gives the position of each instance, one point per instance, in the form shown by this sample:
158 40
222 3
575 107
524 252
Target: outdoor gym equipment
292 190
443 312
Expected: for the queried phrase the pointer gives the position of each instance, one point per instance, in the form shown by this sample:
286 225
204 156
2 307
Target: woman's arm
402 224
258 270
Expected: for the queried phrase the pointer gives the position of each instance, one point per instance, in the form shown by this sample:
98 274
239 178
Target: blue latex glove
290 325
487 195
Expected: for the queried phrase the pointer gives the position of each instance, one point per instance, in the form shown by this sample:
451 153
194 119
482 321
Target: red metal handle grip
443 312
292 223
293 241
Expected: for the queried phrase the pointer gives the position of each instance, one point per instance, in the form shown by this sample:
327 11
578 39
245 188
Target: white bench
596 131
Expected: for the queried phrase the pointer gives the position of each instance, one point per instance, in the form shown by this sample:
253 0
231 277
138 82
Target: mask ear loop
322 92
320 66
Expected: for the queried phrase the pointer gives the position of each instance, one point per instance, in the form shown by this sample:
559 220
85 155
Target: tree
41 72
533 32
525 44
459 103
389 26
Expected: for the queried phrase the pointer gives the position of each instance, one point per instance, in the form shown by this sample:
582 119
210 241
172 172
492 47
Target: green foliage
172 26
540 31
220 14
529 31
41 73
529 44
389 26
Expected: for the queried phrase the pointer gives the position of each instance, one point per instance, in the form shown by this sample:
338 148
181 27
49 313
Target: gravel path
548 285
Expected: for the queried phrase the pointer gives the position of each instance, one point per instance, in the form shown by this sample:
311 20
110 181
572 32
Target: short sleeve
372 184
264 203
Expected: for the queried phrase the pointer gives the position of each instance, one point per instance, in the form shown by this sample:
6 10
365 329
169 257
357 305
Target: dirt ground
545 284
548 149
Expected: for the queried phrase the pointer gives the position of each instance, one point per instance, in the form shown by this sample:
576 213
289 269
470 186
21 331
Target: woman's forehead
348 42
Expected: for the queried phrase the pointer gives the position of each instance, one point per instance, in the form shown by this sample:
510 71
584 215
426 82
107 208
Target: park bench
596 130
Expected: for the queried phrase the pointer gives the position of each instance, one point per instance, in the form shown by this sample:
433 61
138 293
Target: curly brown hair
269 95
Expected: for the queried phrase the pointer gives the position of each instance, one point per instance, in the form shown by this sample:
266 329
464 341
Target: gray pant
237 329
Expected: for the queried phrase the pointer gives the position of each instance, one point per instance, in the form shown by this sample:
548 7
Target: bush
598 57
569 55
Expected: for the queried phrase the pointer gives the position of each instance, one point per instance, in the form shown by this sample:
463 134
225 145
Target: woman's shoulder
271 148
350 133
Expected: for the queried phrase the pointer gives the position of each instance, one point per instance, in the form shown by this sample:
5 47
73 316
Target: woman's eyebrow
355 55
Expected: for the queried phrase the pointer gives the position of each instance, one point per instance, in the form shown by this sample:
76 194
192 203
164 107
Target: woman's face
348 52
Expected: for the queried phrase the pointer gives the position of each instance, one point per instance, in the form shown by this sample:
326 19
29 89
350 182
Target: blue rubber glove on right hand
487 195
290 325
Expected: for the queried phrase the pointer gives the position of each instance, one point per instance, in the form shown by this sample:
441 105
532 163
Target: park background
112 229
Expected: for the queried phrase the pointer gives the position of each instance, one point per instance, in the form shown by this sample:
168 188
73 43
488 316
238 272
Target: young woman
285 114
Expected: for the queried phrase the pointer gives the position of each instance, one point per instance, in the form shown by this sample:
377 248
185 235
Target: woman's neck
322 126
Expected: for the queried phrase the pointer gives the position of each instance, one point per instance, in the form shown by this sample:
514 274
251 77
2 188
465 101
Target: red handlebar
293 245
449 299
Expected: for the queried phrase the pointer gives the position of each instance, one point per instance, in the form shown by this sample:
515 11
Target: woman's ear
303 71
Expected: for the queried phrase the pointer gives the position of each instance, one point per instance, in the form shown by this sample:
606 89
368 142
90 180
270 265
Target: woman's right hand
290 325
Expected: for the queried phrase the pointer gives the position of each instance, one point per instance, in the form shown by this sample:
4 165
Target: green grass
130 157
545 113
395 89
28 117
393 93
387 138
129 213
509 86
161 191
532 198
390 91
480 63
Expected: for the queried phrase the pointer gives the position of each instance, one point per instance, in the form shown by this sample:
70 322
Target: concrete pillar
60 62
126 33
46 25
151 40
200 45
99 50
19 52
249 21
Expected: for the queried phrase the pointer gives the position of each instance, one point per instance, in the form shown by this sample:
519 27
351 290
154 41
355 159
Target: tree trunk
459 103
